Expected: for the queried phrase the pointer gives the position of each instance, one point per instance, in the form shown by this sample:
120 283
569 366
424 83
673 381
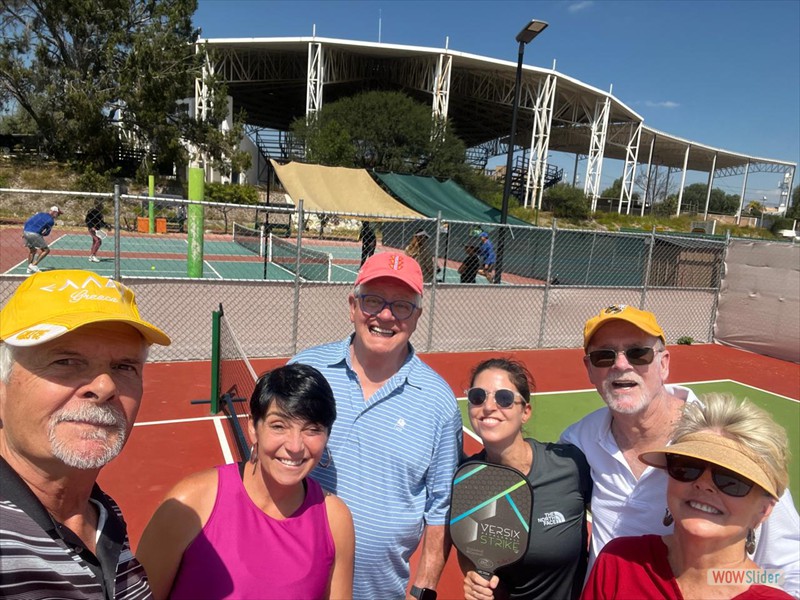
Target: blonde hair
745 423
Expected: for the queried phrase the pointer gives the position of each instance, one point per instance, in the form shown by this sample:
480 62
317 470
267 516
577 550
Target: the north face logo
551 518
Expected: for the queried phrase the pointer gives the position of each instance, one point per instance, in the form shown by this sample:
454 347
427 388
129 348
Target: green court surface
156 256
144 257
554 412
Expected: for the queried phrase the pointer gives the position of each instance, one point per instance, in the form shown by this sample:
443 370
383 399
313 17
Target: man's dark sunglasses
687 469
374 305
503 398
636 356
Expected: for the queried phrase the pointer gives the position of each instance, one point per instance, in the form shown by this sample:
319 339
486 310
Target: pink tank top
243 553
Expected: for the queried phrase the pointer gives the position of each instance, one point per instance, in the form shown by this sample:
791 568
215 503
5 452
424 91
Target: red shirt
633 568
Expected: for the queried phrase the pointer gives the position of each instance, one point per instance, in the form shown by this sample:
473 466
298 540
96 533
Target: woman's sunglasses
503 398
636 356
686 469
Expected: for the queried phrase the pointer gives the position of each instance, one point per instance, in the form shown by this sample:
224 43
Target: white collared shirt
625 506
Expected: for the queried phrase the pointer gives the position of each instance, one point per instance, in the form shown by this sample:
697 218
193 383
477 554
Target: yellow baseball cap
49 304
646 321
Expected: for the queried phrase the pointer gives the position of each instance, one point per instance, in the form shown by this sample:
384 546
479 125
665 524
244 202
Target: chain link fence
284 274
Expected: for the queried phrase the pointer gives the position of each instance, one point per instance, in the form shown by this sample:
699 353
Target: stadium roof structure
276 80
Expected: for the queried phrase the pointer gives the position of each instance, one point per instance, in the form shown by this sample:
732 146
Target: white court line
205 262
171 421
752 387
227 455
473 435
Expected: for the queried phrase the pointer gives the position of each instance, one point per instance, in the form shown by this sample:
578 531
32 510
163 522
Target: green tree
694 200
614 191
667 208
381 130
794 210
227 194
754 208
567 202
85 71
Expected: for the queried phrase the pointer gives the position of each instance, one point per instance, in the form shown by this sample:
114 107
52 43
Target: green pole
195 220
215 317
151 208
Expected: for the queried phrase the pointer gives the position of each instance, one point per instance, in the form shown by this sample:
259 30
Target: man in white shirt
627 361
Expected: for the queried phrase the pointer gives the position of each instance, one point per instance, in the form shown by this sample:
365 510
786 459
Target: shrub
567 202
781 224
686 340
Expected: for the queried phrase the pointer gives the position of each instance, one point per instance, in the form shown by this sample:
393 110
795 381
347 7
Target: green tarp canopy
428 196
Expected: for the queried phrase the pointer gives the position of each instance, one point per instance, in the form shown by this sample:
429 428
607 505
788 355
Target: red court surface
174 438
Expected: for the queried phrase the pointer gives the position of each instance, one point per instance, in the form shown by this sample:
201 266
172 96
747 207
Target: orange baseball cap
646 321
49 304
393 265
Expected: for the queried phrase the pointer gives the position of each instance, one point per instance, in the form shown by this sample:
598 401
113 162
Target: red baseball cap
394 265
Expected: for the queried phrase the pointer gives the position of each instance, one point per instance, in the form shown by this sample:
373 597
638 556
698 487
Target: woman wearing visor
727 466
555 564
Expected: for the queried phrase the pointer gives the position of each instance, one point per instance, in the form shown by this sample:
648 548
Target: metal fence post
296 307
432 306
648 266
117 257
543 321
715 307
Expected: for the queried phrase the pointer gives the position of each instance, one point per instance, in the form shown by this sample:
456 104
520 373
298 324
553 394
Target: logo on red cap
395 261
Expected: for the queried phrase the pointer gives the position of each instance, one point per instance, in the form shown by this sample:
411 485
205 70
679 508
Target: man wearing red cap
628 362
71 359
396 440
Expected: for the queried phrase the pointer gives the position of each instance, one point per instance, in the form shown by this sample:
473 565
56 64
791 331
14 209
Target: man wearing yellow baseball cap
71 359
628 362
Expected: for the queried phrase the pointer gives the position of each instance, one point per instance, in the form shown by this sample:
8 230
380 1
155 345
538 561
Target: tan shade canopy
339 189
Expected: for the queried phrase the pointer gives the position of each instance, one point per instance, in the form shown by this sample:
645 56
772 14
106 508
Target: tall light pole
530 31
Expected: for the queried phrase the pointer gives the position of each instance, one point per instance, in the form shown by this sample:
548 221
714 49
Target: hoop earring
253 455
329 456
750 544
668 519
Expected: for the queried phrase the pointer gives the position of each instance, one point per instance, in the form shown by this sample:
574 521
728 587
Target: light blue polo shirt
393 460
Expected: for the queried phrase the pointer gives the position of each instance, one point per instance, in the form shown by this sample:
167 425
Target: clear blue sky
725 74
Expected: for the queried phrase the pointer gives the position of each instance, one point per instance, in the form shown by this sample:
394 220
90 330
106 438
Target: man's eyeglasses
503 398
374 305
636 356
687 469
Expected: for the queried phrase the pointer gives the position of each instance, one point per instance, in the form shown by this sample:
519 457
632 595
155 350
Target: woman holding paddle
261 529
727 467
95 223
555 563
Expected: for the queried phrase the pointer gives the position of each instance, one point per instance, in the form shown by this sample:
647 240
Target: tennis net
253 240
233 378
313 265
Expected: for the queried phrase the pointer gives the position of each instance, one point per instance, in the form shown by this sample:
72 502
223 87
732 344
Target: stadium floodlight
530 31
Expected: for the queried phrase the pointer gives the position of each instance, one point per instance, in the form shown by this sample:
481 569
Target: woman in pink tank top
261 529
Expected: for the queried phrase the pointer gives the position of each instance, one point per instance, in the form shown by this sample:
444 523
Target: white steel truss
441 87
597 144
683 179
709 186
649 174
314 78
202 99
540 141
629 172
741 198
